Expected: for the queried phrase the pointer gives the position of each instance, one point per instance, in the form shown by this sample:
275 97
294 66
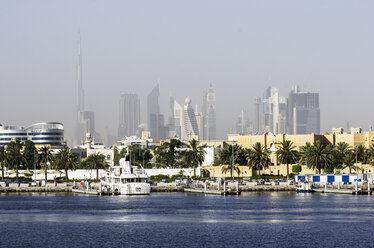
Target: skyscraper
155 120
257 118
209 115
190 126
270 112
303 115
129 115
85 120
176 119
243 126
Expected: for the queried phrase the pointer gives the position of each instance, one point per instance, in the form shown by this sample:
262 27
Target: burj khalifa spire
85 120
79 90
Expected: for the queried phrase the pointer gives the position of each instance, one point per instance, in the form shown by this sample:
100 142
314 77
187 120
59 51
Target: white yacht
126 179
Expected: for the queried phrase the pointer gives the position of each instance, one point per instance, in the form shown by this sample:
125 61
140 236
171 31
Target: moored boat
126 179
304 188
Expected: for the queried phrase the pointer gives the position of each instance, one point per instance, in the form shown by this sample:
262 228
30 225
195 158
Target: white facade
43 133
190 129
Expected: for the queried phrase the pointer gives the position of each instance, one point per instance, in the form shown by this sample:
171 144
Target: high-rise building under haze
176 119
303 112
270 112
242 125
190 125
209 115
155 120
297 114
85 120
129 115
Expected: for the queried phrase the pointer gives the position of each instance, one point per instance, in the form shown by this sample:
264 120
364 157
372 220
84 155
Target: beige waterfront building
353 138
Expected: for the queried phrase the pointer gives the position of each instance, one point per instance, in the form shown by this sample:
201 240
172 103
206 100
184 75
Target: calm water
282 219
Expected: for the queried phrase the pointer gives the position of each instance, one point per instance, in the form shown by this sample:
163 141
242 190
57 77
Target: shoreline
154 189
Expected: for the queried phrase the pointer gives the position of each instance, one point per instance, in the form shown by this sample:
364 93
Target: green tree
29 152
231 168
138 156
169 154
225 155
258 157
371 154
338 153
2 160
14 155
362 154
45 158
287 154
317 156
65 160
96 162
349 160
195 154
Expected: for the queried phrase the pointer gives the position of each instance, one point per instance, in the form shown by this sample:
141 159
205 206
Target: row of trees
25 155
171 154
318 156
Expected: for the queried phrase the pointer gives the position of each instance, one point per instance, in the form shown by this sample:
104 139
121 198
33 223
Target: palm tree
231 168
29 154
371 154
96 162
338 153
168 155
287 154
317 156
362 154
14 155
45 158
65 160
258 157
2 160
224 156
349 160
196 154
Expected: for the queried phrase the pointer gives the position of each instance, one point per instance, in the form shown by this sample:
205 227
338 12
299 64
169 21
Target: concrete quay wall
35 189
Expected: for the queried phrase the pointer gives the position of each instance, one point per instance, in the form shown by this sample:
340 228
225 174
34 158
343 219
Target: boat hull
131 188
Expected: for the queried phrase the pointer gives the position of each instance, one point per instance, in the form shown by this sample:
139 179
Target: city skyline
127 46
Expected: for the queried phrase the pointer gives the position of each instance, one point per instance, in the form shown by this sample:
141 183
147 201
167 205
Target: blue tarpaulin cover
316 179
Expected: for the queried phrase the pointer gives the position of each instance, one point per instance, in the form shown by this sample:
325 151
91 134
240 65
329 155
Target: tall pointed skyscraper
155 120
190 125
79 90
85 120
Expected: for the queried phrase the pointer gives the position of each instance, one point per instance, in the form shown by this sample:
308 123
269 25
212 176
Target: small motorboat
304 188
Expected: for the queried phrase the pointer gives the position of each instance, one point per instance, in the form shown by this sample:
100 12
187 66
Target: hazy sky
240 46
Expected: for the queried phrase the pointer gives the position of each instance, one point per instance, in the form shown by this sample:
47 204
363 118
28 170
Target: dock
343 191
35 189
212 191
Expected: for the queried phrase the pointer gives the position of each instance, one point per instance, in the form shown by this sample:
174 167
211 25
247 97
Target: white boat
126 179
304 188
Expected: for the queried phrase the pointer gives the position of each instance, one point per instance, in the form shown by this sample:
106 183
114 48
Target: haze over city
241 48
